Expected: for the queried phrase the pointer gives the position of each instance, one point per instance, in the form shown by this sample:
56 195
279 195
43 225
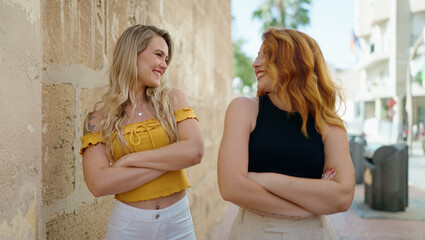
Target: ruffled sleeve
182 114
90 139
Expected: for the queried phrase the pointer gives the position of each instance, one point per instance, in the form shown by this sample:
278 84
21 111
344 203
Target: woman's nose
255 63
163 65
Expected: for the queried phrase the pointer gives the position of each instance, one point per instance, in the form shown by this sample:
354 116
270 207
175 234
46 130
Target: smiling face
152 62
264 82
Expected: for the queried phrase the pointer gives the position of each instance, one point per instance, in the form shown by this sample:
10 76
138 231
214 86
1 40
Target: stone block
182 19
88 222
58 122
74 32
120 16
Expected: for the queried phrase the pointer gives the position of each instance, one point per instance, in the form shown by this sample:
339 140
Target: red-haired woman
284 157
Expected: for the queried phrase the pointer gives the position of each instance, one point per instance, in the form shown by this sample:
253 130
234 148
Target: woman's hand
329 174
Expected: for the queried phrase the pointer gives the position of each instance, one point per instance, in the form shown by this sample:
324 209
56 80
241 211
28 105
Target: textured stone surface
20 121
75 32
58 139
88 222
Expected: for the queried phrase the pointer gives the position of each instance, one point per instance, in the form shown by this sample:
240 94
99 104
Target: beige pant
250 226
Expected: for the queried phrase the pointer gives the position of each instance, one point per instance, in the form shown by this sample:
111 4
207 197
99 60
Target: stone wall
54 57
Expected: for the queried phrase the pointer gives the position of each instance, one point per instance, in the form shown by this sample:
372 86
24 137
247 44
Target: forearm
316 195
115 180
176 156
251 196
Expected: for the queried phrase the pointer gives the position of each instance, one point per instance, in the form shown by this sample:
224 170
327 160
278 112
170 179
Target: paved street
417 166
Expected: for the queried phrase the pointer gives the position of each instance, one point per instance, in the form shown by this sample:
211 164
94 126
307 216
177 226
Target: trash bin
357 145
385 177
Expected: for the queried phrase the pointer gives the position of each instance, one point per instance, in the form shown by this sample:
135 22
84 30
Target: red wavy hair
296 64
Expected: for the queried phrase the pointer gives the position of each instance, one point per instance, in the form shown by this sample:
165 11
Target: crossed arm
136 169
318 195
282 195
234 184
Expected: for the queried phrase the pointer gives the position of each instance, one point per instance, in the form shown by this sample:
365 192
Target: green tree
242 64
283 13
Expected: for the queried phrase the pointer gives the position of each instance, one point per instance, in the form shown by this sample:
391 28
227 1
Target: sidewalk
350 226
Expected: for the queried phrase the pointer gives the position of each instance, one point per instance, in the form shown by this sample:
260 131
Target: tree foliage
277 13
283 13
242 64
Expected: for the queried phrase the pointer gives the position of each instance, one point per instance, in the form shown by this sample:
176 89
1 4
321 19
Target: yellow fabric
142 136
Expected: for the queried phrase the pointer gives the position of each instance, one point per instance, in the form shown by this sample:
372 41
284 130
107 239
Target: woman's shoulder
242 106
242 112
179 98
93 119
247 103
334 131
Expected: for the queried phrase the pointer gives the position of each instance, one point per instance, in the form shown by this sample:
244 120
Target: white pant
173 222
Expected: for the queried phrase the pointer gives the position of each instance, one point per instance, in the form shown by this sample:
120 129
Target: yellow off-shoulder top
142 136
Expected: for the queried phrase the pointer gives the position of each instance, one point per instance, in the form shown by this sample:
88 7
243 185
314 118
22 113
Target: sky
331 25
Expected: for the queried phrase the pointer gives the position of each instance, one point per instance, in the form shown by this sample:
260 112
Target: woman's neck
280 103
140 98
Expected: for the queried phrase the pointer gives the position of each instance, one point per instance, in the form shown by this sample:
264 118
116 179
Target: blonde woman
150 134
284 155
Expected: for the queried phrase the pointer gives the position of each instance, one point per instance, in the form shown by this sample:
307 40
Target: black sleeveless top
278 145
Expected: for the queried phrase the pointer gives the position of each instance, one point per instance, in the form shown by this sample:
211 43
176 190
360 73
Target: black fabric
278 145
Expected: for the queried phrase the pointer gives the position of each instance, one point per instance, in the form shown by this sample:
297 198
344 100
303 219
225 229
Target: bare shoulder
244 104
93 119
242 110
179 98
335 133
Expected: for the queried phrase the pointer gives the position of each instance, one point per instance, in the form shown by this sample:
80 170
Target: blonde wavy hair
123 78
298 69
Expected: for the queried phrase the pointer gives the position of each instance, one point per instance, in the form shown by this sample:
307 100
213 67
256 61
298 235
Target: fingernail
331 169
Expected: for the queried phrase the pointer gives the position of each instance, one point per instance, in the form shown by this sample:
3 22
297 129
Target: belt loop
322 220
242 215
133 216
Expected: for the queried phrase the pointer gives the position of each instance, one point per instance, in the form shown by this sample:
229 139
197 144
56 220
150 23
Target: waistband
281 225
148 214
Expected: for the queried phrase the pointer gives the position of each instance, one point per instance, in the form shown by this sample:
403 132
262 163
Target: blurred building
384 35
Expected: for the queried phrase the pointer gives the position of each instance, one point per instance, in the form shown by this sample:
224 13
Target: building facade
386 31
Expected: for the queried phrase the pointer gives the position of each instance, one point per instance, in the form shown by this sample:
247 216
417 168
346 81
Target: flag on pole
354 41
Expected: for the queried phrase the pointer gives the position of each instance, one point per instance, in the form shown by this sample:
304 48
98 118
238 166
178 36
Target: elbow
96 193
344 202
345 206
225 194
96 190
228 189
197 155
